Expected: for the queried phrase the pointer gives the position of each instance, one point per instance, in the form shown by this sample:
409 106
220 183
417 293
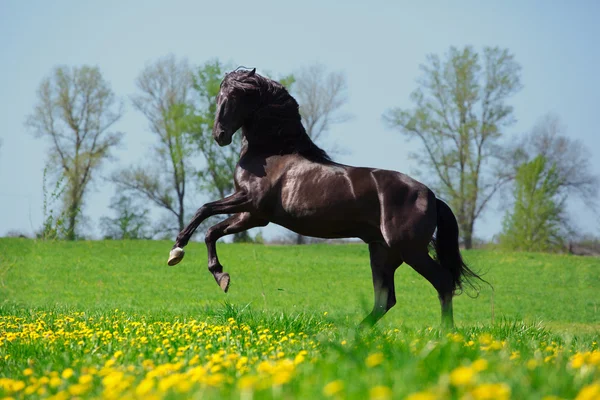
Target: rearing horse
284 178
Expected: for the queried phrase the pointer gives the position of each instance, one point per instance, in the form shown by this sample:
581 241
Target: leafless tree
163 97
570 157
76 109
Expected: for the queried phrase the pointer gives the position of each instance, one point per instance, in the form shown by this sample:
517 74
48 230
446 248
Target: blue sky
378 44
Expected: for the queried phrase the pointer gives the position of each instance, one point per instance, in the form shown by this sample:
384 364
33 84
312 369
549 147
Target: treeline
77 112
459 116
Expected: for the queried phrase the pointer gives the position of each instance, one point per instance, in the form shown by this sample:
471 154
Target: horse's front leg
237 202
234 224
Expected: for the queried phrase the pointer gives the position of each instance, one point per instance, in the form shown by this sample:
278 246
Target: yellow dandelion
183 386
55 381
374 359
78 389
112 379
462 376
29 390
215 380
333 388
299 359
456 337
594 358
18 386
67 373
281 377
380 393
265 367
589 392
27 372
247 382
422 396
491 391
480 365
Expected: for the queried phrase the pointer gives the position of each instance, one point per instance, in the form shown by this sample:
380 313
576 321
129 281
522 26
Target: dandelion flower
374 359
380 393
462 376
333 388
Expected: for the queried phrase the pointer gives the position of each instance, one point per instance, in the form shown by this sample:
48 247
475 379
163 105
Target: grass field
110 319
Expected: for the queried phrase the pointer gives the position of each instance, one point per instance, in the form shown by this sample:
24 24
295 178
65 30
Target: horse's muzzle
223 138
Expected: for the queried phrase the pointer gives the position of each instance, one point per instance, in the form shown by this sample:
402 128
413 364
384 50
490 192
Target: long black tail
447 251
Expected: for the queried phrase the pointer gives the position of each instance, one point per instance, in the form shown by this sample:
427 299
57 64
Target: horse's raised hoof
175 256
223 281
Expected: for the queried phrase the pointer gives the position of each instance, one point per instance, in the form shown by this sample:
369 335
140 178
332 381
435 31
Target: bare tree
321 96
571 158
164 99
76 109
459 115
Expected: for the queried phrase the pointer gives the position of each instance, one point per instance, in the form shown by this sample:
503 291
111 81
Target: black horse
284 178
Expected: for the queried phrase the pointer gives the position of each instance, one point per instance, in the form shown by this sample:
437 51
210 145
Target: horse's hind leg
438 276
234 224
383 267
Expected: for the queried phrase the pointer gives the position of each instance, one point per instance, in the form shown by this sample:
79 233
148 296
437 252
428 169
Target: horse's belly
334 220
327 228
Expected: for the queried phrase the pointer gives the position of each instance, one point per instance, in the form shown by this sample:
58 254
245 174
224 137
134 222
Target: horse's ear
251 73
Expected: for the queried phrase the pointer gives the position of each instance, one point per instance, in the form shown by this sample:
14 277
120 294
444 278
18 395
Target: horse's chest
255 185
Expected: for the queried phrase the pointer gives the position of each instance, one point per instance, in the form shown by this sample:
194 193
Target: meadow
109 319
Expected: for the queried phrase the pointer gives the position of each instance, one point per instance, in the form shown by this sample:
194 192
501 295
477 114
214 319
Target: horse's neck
273 136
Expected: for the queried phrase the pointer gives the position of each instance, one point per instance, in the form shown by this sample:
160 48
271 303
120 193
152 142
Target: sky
377 44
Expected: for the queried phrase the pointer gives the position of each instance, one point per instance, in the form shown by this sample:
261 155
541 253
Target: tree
570 157
163 97
537 221
216 178
130 222
459 115
321 96
76 109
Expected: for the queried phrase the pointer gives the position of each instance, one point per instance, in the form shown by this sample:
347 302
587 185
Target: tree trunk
467 235
72 222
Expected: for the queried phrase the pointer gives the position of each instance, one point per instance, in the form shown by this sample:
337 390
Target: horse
282 177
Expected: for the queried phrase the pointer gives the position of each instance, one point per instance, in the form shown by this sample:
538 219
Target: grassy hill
109 319
560 291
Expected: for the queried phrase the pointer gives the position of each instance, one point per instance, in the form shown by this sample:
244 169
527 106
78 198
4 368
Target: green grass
557 290
545 311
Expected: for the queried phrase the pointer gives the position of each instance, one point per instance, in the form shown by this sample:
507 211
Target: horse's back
408 208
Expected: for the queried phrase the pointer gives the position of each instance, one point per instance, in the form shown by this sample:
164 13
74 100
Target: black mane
277 116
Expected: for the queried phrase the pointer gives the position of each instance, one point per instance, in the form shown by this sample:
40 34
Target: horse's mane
276 107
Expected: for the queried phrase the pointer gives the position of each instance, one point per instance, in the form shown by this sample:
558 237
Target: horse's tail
447 251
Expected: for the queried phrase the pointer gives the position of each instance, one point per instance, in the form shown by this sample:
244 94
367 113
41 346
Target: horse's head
236 101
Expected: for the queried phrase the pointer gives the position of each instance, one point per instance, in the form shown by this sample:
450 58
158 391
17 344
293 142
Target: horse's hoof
175 256
224 282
